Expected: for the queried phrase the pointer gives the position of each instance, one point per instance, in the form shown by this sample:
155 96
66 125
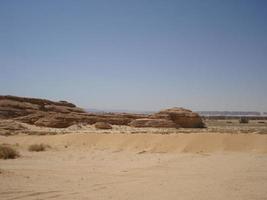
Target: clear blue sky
136 55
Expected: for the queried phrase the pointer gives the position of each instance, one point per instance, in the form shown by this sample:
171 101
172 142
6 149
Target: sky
136 54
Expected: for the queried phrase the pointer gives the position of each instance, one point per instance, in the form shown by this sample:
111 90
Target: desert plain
60 151
226 160
133 100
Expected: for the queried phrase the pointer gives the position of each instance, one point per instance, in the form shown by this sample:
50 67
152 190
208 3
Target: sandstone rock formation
11 127
11 106
62 114
171 118
102 125
180 116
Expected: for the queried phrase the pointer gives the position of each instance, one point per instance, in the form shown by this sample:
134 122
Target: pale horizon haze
137 55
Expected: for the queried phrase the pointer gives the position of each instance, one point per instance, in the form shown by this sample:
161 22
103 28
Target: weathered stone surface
36 101
102 125
62 114
180 116
156 123
11 127
42 112
11 106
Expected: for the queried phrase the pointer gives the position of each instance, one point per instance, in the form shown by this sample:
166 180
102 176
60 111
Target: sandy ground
137 166
213 126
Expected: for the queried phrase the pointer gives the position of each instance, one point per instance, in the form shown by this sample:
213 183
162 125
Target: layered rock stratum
171 118
62 114
183 117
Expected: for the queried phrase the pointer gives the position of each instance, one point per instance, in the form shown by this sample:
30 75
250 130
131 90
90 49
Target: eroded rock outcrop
180 116
171 118
62 114
11 127
11 106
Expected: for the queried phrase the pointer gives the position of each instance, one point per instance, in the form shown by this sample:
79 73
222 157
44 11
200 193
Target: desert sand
100 165
128 156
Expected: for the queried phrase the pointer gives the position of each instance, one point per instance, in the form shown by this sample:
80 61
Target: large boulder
180 116
155 123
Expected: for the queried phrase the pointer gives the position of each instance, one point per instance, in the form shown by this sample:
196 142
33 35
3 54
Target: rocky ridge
62 114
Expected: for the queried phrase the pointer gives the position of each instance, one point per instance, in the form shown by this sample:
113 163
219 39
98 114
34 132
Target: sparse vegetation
243 120
38 147
7 152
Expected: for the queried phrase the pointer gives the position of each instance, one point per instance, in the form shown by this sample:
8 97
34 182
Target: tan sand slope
82 174
192 143
81 166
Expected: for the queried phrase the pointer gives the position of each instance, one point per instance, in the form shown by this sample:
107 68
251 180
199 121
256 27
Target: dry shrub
243 120
38 147
7 152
